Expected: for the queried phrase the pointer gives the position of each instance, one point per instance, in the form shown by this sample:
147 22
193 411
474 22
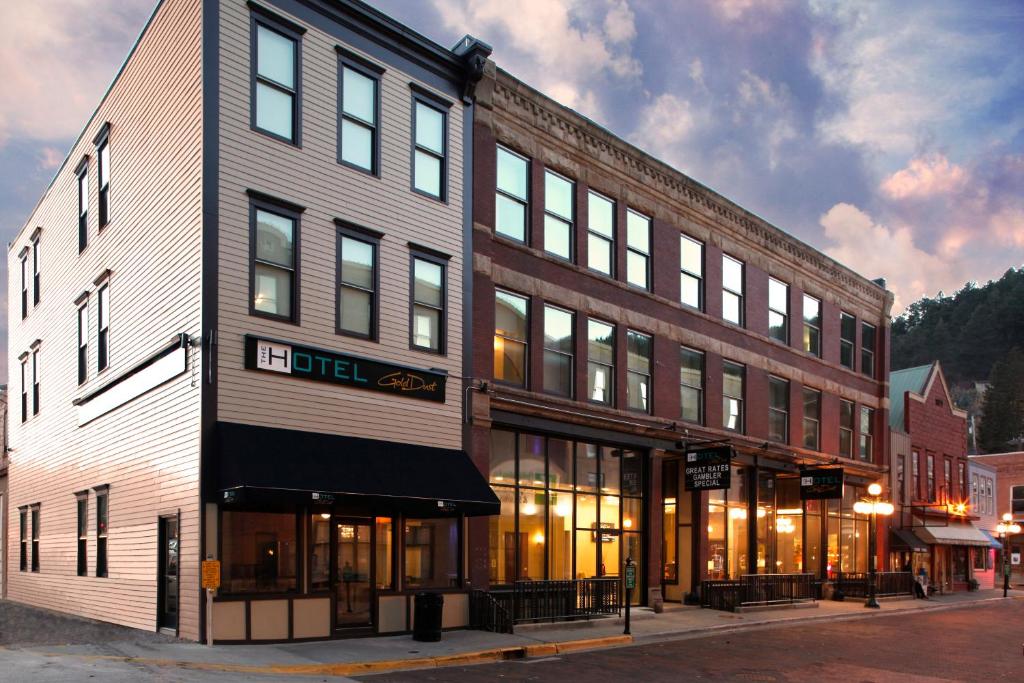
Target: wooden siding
311 177
147 450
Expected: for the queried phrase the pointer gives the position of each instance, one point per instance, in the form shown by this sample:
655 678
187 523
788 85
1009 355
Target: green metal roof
900 382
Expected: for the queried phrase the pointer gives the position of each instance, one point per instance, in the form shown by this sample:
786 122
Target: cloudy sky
888 135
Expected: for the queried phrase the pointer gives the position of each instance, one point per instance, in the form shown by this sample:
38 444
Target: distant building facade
984 484
1009 498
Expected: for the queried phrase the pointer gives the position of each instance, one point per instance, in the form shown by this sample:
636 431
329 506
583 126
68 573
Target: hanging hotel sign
821 483
340 368
708 469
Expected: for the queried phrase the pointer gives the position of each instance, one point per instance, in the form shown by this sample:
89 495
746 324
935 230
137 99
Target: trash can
427 610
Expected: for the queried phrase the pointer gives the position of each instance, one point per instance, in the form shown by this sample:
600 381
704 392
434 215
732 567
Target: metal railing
758 590
536 601
856 584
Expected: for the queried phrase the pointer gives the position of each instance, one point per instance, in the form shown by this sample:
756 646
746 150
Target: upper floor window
847 339
24 388
512 197
359 109
867 349
35 271
962 479
778 310
915 474
102 511
103 328
691 385
82 505
559 347
428 303
358 281
638 371
83 342
600 233
23 539
35 381
867 434
732 290
691 272
846 413
901 478
600 362
511 334
732 396
812 419
558 215
276 80
274 234
430 143
947 481
812 325
778 409
638 249
24 284
1017 501
35 537
83 207
103 172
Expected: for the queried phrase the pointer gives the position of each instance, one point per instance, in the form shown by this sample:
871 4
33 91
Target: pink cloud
924 177
50 158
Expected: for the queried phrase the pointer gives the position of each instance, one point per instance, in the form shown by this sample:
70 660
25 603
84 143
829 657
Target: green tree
1002 420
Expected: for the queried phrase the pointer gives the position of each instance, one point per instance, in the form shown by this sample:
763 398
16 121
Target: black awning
263 464
906 541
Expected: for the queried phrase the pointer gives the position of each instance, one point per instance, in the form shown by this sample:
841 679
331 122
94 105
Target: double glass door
353 583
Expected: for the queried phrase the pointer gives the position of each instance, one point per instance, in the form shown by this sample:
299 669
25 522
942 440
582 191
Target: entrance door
167 611
354 573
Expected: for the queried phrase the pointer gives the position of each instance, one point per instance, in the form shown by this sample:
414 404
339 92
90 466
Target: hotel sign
708 469
821 484
340 368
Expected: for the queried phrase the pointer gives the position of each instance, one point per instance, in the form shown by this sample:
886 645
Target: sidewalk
394 653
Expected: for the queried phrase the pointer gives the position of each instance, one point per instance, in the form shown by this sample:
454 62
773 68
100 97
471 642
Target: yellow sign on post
211 574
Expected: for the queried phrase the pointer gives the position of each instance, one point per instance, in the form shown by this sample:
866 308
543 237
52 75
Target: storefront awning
993 541
905 541
954 534
281 466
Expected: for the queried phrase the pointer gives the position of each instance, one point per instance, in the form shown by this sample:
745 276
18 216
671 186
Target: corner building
623 314
237 314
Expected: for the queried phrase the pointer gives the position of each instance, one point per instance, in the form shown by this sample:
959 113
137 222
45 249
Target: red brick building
634 315
929 477
1009 469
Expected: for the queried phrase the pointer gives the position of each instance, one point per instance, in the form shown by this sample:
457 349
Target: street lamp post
1005 528
874 508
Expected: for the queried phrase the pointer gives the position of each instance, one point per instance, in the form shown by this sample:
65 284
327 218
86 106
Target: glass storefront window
586 467
716 542
560 464
812 522
610 458
503 457
531 460
258 552
532 513
385 577
669 544
320 560
632 514
610 512
501 537
559 540
432 553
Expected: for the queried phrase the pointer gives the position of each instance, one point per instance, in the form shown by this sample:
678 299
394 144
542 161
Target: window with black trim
638 249
102 513
103 328
35 381
947 479
812 419
732 290
358 283
83 207
638 371
691 272
600 362
276 78
559 215
24 284
512 197
35 537
846 413
83 342
23 539
511 337
359 112
867 434
867 349
962 479
24 387
1017 501
600 234
430 148
103 174
847 340
35 271
429 314
691 385
274 235
901 478
812 325
82 504
559 351
733 379
778 310
778 409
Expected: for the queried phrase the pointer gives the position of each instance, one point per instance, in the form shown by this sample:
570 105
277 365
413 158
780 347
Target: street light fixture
874 508
1004 529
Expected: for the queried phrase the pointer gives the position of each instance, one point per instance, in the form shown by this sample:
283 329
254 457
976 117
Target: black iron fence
759 589
857 584
535 601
